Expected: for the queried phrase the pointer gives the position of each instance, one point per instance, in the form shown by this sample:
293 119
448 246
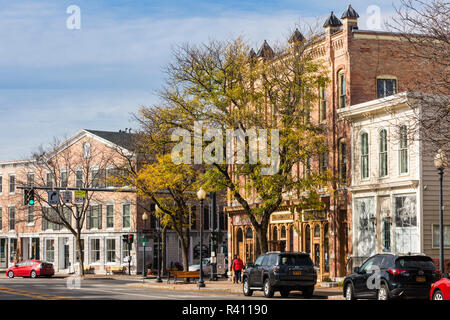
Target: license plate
297 273
420 279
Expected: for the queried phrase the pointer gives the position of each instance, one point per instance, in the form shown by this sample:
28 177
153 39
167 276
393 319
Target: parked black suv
400 276
280 271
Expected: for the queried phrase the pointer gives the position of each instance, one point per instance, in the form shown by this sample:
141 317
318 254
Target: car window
265 260
296 260
273 259
259 261
374 261
387 262
414 262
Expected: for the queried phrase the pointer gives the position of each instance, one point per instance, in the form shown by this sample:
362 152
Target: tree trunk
163 252
80 255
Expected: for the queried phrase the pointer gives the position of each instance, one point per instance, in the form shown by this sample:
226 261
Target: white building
395 186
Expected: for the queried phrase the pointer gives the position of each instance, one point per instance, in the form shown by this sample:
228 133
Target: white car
206 266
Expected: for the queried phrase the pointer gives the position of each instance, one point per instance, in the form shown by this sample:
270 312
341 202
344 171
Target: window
258 261
111 176
308 239
307 167
95 250
12 184
110 216
79 179
12 249
1 218
98 178
342 160
64 179
323 160
386 87
192 217
283 232
323 104
30 214
94 217
374 261
49 179
30 179
403 150
1 184
291 239
341 89
317 231
364 155
67 215
386 235
326 248
206 218
50 250
126 222
436 236
383 157
82 250
12 218
110 250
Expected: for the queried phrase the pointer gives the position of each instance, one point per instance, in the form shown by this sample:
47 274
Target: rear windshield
295 260
415 263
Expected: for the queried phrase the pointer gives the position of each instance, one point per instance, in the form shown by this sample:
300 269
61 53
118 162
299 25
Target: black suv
280 271
399 276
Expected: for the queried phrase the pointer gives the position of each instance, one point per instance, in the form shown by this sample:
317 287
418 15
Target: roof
252 53
332 21
265 51
121 138
350 13
296 36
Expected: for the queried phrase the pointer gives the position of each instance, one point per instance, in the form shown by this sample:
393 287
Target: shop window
283 232
291 239
249 233
308 239
317 231
275 234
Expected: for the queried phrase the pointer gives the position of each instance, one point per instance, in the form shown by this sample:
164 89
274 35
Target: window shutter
99 216
88 218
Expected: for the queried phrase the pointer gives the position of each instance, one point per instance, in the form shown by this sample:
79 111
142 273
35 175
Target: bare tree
423 28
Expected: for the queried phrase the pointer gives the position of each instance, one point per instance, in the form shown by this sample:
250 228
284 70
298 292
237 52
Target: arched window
341 88
291 239
275 234
317 231
364 155
239 236
283 232
308 239
383 156
86 150
342 160
249 233
403 156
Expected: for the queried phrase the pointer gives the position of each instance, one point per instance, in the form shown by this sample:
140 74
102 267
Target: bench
183 275
114 269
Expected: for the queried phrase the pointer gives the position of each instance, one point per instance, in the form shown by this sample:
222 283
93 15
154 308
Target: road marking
32 294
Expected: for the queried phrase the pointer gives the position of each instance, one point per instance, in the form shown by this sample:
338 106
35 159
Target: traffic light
125 238
28 197
130 238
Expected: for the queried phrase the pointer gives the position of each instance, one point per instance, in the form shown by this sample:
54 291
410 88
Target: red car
440 290
30 268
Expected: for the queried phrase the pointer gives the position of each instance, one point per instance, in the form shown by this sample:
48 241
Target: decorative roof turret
332 21
265 51
252 54
350 13
296 36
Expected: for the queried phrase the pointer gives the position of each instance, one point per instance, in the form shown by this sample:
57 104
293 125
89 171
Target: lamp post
440 162
201 195
158 278
144 219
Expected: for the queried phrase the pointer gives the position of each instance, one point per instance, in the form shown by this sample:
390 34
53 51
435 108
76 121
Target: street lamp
144 219
440 162
158 279
201 195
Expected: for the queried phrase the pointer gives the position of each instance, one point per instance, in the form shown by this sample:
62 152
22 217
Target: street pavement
124 287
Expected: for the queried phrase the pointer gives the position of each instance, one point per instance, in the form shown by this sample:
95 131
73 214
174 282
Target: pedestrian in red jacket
237 267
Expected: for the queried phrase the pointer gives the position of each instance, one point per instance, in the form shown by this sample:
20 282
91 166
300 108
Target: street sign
53 197
144 240
80 196
67 196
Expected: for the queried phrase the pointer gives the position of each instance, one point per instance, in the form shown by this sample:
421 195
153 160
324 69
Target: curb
144 285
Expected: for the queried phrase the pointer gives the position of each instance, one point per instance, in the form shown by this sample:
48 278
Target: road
109 289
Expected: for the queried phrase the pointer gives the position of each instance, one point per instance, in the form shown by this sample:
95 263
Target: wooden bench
183 275
114 269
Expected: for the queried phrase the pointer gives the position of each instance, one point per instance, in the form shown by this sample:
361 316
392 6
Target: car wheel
11 274
285 293
33 274
308 292
349 293
246 288
383 292
437 295
268 290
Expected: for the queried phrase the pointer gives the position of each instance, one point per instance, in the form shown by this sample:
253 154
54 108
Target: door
362 285
66 256
3 253
19 269
35 249
256 271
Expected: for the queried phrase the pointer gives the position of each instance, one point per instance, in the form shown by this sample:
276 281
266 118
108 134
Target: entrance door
3 253
66 256
317 255
35 249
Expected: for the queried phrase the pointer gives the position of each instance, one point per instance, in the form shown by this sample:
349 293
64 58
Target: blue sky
55 81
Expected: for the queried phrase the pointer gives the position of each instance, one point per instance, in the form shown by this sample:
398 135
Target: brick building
363 65
85 160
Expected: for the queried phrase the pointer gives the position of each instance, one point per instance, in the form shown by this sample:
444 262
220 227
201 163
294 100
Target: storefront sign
310 215
281 217
239 220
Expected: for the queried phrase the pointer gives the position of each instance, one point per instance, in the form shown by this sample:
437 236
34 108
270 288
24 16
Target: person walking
237 267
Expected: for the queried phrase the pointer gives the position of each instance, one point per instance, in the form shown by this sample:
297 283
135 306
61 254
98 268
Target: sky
56 80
